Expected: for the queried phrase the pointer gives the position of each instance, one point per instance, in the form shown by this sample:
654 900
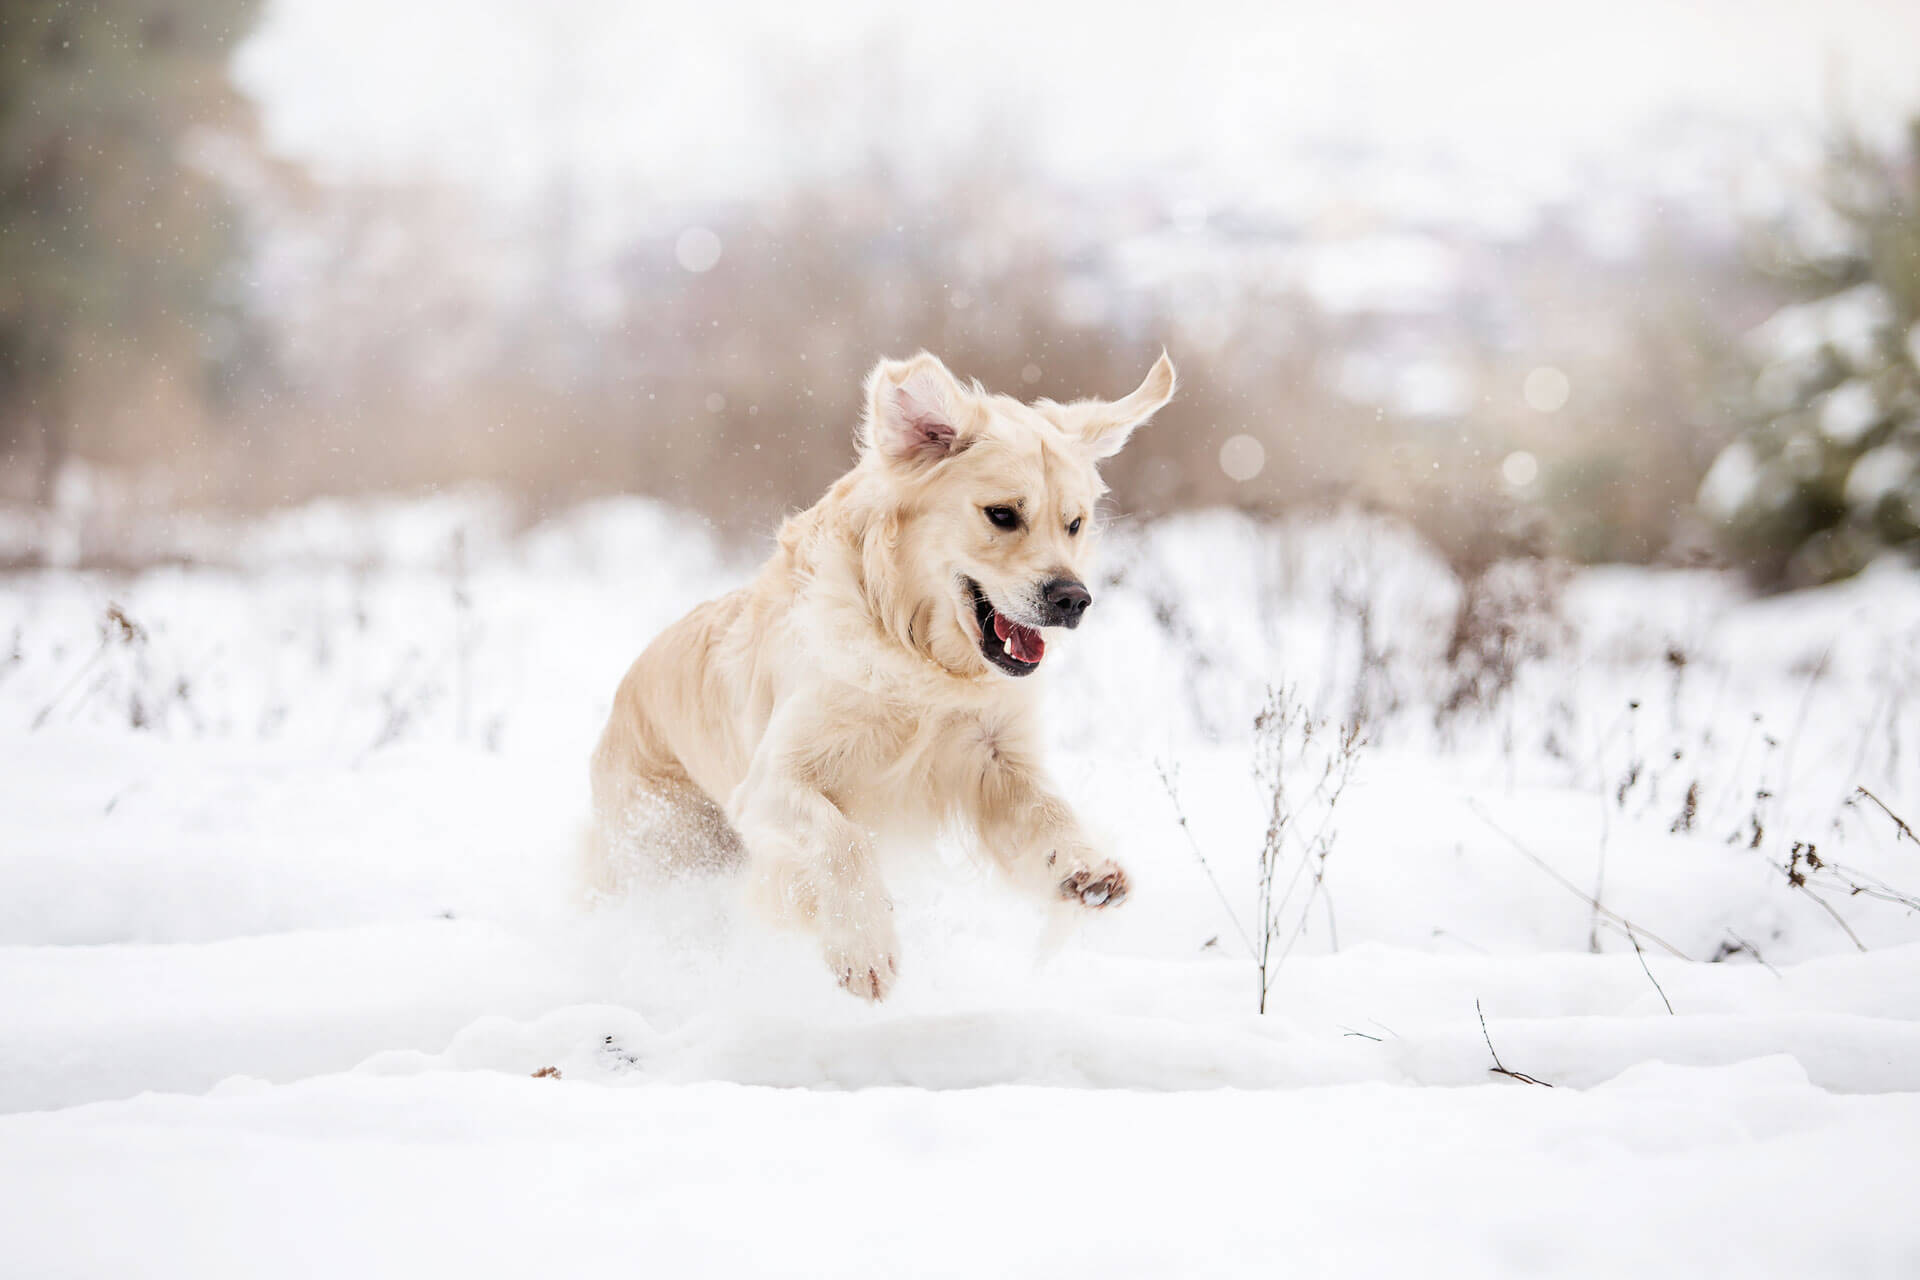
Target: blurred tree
111 242
1827 473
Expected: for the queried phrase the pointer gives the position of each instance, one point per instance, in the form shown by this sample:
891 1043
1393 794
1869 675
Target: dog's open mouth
1014 649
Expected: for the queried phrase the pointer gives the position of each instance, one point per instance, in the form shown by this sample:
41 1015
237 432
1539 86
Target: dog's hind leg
649 819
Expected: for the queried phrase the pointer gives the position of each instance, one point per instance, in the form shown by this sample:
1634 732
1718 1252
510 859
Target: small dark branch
118 626
1689 809
1803 863
1828 908
1499 1068
1899 823
115 627
1471 946
1575 889
1859 884
1646 969
1173 795
1814 676
1753 951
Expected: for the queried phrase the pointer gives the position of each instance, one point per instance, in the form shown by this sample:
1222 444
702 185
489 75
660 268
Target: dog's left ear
917 413
1106 429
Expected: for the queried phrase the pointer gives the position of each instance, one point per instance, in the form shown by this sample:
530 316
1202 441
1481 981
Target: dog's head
993 502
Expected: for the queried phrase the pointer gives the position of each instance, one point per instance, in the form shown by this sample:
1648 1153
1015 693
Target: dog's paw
866 972
1104 885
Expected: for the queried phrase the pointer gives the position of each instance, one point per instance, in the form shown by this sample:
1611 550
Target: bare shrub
1508 616
1303 763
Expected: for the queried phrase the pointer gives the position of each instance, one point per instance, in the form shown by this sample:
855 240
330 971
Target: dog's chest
912 761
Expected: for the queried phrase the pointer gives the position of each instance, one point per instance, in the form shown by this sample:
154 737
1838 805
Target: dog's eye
1003 517
1073 530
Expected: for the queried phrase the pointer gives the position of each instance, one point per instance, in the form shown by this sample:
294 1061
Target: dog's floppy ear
1106 428
916 412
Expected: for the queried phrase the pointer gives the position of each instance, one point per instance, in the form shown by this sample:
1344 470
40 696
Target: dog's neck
850 547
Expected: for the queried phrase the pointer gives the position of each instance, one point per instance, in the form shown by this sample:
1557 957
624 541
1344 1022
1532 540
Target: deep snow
288 921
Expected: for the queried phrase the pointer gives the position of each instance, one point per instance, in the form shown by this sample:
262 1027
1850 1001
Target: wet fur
843 695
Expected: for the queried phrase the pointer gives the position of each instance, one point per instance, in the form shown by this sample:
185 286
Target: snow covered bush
1827 474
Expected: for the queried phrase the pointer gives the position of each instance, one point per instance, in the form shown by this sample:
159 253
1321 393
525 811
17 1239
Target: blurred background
1635 282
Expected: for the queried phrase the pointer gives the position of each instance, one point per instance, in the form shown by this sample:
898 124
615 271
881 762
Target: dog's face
995 502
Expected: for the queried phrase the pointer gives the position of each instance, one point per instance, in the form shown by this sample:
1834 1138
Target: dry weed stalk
1499 1068
1304 764
1611 916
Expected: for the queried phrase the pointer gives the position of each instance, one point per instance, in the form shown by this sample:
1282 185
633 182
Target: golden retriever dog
876 680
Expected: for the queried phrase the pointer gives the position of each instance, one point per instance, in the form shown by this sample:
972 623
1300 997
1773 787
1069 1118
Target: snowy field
290 930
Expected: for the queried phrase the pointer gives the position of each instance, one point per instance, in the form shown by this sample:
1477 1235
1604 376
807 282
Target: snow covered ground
288 923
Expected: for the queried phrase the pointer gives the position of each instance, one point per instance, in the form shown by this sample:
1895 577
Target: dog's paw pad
1104 887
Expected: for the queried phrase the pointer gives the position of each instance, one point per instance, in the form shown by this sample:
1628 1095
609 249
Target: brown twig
1899 823
1173 794
1753 951
1499 1068
1573 888
1804 852
1644 968
1828 908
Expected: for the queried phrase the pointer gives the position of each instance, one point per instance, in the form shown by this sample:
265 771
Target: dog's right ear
916 412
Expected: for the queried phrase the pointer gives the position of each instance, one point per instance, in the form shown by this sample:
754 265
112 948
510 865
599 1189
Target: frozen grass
291 833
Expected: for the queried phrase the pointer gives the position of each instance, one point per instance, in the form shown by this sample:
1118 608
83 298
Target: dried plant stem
1646 969
1573 888
1173 795
1837 919
1499 1068
1754 952
1899 823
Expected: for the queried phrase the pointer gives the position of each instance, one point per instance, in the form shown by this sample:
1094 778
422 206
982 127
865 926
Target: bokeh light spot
1547 389
1519 469
1242 457
697 249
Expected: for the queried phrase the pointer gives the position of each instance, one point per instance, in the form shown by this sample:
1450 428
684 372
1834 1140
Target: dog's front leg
812 866
1026 828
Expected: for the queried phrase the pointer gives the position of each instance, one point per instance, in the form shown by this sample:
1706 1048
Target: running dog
875 680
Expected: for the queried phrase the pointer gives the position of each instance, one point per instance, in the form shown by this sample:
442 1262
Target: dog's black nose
1066 601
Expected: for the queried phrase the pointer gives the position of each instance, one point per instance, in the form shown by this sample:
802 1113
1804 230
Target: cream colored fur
843 695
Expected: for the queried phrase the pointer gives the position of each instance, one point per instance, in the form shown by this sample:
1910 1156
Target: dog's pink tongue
1024 643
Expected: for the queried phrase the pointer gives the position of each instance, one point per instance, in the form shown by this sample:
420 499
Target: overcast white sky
725 98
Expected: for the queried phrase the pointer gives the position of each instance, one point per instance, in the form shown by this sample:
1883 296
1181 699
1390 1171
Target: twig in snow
1573 888
1648 971
1499 1068
1828 908
1802 851
1173 794
1899 823
116 625
1471 946
1284 741
1814 675
1753 951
